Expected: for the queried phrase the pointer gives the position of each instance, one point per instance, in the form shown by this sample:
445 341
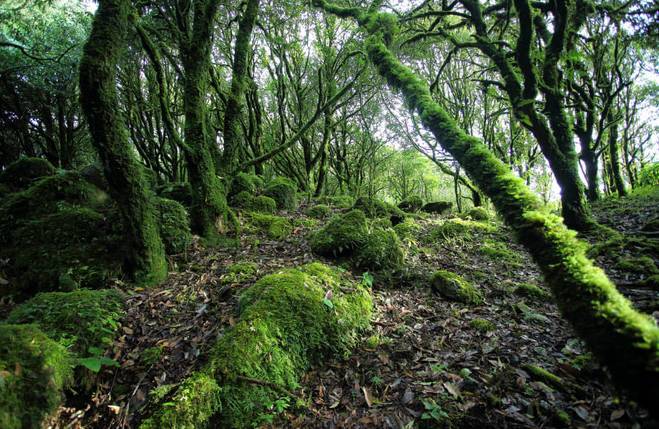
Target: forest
329 214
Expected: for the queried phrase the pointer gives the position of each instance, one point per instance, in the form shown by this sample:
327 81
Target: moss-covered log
626 340
145 259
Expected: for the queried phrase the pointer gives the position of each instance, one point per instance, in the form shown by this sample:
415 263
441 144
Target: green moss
380 250
652 282
479 213
341 236
20 174
78 320
180 192
544 375
196 400
500 252
372 207
246 182
240 272
283 191
437 207
150 356
276 227
408 229
457 228
264 204
454 287
319 211
482 325
67 249
174 225
411 204
532 291
33 372
638 265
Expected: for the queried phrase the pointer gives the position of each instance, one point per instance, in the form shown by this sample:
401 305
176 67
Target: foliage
78 320
649 175
33 372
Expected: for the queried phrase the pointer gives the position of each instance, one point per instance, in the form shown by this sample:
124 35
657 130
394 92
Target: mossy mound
479 213
408 229
372 207
283 191
73 247
78 320
20 174
460 228
260 203
453 287
341 235
174 225
245 182
276 227
319 211
437 207
33 372
482 325
381 250
500 251
637 265
180 192
532 291
288 321
411 204
45 196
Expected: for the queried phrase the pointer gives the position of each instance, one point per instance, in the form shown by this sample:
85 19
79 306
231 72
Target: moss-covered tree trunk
238 82
145 259
621 337
209 207
614 154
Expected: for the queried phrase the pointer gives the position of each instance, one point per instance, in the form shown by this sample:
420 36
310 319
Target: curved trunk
615 156
621 337
145 260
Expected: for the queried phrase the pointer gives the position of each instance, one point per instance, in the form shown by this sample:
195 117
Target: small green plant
433 411
151 356
438 368
96 360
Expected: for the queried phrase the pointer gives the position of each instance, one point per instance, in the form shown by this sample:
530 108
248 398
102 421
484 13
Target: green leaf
328 303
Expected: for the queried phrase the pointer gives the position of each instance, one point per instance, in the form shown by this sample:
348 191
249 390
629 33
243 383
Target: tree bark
145 260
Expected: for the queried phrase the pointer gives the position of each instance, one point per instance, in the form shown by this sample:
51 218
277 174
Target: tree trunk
622 338
238 80
589 158
145 260
208 213
614 154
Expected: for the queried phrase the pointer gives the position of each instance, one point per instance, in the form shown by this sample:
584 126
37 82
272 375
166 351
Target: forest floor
426 362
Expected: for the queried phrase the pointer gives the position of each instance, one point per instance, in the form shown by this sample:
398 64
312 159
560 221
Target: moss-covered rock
381 250
408 229
319 211
437 207
245 182
372 207
276 227
70 248
174 225
260 203
411 204
288 321
532 291
20 174
454 287
180 192
34 370
478 213
341 235
78 320
283 191
460 228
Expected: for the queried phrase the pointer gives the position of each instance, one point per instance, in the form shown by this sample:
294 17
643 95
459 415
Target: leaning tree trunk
238 81
208 213
621 337
145 259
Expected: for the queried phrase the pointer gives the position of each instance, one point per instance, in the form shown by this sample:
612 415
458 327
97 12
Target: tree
145 260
